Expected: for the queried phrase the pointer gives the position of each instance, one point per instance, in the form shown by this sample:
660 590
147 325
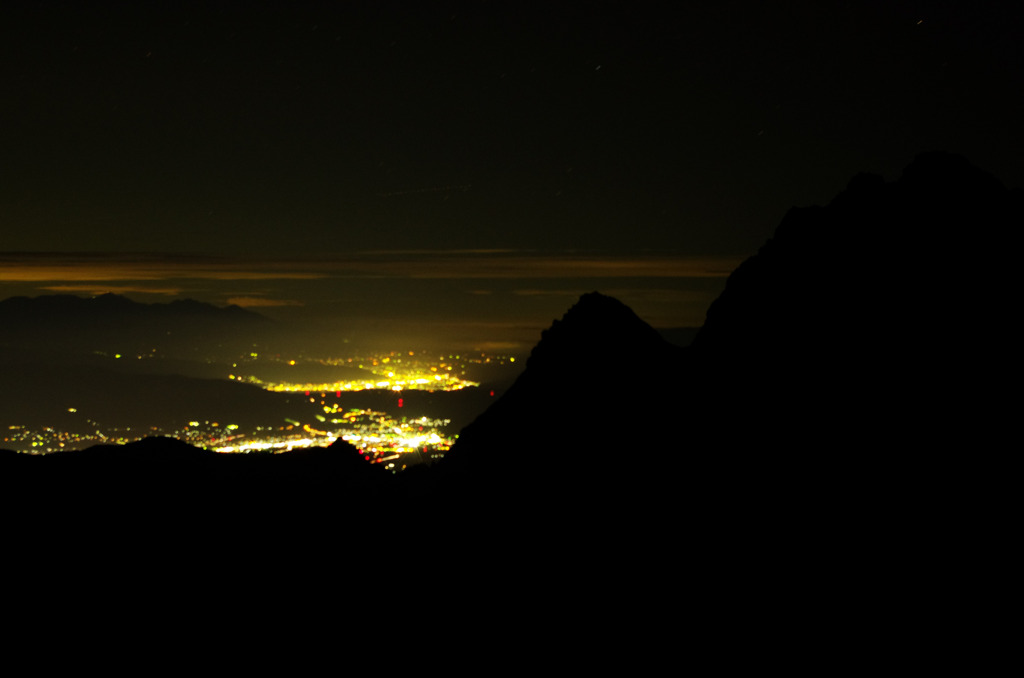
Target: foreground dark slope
159 493
168 473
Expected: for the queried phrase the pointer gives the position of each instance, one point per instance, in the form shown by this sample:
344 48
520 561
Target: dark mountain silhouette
830 369
823 459
590 402
880 318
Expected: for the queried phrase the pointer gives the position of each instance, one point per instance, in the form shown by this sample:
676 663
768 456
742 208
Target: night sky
462 171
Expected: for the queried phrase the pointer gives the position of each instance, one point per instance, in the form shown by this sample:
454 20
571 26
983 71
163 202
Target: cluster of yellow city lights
270 445
437 383
376 435
394 371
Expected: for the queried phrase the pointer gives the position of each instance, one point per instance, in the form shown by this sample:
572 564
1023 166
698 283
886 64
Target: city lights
380 437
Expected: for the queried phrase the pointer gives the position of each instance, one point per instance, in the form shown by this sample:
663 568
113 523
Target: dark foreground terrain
841 460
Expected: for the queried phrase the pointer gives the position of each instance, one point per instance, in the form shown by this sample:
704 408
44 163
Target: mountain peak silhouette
598 364
596 328
880 256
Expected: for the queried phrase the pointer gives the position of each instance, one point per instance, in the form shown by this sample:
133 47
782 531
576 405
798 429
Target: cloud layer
60 269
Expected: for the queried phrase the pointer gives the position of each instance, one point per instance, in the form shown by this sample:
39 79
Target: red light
338 394
492 394
307 392
400 401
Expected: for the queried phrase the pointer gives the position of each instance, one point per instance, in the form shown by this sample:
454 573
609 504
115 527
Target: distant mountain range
109 322
106 307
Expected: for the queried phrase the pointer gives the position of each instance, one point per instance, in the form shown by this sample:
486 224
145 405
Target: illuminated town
393 441
395 371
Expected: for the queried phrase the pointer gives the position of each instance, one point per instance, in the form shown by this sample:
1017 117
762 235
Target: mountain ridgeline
844 363
69 324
